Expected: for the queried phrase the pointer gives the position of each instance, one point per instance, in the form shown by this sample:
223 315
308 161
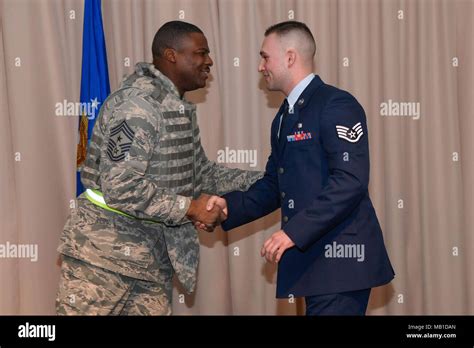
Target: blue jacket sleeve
344 138
261 199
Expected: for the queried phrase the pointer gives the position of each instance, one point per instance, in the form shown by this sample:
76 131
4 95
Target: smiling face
272 64
193 63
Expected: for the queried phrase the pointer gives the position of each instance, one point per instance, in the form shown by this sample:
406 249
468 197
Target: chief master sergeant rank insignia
120 140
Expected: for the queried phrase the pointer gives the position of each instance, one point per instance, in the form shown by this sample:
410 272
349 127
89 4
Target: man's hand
275 246
209 218
212 203
219 201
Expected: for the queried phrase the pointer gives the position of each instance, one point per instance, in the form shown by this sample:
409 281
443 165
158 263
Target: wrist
191 213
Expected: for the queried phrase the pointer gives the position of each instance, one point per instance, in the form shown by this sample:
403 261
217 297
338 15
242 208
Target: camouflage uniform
146 157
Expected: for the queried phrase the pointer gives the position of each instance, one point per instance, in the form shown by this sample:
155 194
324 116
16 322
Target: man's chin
198 85
271 88
202 83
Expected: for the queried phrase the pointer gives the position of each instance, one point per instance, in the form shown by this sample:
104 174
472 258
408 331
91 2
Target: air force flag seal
352 135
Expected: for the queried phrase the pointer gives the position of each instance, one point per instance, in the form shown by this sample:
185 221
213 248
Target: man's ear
170 55
290 57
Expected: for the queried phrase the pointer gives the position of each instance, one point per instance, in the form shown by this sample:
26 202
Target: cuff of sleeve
178 212
231 221
226 224
293 231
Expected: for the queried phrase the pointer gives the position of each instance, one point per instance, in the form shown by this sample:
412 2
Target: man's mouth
206 72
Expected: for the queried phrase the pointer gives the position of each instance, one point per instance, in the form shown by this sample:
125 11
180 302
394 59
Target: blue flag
95 85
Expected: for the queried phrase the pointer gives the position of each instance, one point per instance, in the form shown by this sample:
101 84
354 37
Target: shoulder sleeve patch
120 141
351 135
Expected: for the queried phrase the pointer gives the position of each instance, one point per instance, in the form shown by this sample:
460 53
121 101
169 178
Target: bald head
297 36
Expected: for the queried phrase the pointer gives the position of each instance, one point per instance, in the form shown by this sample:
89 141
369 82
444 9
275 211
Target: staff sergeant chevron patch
352 135
120 141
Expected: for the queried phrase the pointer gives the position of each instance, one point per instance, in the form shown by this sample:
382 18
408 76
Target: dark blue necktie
284 122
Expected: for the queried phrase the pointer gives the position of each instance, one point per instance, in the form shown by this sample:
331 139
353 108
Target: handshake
207 212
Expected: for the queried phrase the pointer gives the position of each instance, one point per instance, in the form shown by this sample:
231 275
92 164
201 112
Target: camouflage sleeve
90 174
126 153
219 180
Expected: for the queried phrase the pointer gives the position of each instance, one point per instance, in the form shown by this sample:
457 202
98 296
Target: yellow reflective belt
96 197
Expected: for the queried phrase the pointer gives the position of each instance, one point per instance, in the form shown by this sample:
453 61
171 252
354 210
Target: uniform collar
159 80
308 92
298 89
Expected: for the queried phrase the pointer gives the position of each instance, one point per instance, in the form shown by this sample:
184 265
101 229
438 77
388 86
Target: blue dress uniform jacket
318 174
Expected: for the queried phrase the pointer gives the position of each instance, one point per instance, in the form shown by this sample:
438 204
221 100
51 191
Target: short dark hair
283 28
169 36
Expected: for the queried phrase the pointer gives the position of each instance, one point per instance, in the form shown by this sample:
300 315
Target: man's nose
209 61
261 66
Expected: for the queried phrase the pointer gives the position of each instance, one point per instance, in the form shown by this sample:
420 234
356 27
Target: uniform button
285 218
283 195
281 170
